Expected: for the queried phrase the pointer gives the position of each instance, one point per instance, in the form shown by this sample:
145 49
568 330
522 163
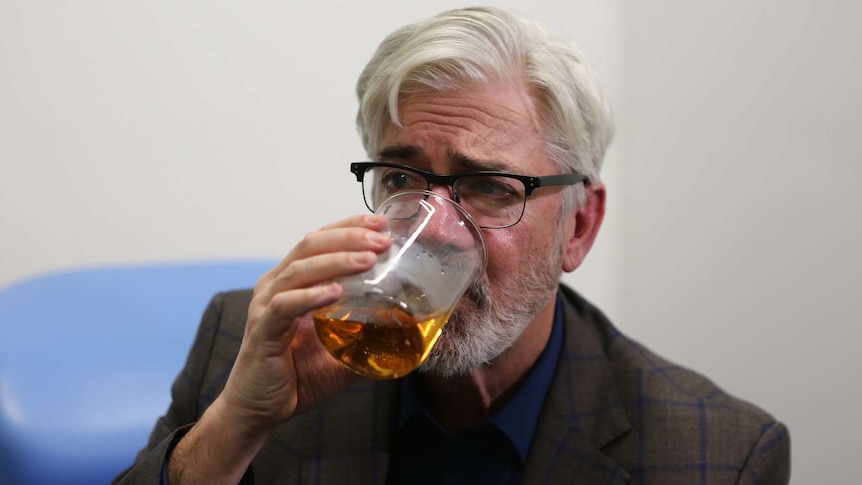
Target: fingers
283 309
297 285
322 268
360 233
357 233
353 233
371 221
343 248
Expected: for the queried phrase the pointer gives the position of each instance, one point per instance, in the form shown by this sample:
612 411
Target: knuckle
306 242
263 281
289 272
275 306
280 306
258 307
355 234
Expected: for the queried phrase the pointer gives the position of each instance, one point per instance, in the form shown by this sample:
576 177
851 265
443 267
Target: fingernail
377 238
373 219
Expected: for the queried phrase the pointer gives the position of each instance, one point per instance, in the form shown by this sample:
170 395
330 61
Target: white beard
487 322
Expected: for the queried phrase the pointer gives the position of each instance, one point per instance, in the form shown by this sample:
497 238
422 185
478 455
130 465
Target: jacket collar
581 416
583 412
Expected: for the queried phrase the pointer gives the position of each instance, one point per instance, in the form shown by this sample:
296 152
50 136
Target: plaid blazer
616 413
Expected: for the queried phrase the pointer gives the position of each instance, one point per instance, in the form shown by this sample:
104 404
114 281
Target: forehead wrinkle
467 148
493 116
486 127
494 124
411 153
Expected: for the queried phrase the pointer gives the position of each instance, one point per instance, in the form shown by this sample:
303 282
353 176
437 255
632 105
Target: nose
440 227
446 223
443 191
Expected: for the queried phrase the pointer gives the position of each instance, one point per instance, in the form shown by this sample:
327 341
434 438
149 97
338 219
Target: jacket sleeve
185 408
768 462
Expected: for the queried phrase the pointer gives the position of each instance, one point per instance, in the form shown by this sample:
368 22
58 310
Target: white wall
158 130
152 131
743 223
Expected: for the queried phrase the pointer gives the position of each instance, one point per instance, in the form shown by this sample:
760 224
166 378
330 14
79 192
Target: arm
768 462
281 368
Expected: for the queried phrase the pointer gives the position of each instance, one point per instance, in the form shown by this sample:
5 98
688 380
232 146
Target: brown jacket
616 413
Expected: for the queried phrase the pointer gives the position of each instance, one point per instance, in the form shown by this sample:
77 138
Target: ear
583 227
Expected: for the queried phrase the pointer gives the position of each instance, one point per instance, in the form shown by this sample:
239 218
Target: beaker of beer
390 317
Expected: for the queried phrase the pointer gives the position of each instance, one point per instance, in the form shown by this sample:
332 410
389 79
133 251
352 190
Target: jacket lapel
348 440
583 412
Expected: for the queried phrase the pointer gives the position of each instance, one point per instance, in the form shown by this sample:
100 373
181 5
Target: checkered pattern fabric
616 414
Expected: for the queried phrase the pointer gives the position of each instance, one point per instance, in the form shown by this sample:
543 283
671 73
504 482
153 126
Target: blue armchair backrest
87 358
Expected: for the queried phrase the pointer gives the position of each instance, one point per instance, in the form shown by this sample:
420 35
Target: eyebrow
398 152
409 153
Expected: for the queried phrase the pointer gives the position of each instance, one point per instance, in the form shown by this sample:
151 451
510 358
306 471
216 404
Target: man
529 383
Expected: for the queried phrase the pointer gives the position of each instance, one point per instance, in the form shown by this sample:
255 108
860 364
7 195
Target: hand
282 368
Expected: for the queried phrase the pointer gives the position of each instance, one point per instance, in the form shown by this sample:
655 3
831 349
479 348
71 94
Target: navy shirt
494 452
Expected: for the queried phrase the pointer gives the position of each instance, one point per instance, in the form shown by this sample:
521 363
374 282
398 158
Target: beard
490 320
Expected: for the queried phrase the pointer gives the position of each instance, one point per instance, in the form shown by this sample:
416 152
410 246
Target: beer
376 338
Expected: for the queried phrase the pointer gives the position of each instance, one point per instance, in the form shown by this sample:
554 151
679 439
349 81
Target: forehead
494 125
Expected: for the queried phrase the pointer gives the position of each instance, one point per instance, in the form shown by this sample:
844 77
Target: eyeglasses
495 200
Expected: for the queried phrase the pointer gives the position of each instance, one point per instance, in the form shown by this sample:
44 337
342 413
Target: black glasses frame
530 183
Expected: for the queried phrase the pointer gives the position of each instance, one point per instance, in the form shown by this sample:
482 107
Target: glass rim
465 214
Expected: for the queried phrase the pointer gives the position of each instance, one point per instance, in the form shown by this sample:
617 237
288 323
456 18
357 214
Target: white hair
488 43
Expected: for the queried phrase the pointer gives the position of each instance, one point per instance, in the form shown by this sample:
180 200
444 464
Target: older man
528 383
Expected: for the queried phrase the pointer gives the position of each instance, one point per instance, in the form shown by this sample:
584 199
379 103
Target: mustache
478 299
479 294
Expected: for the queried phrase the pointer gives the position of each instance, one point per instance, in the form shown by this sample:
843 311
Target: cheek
504 254
529 242
542 224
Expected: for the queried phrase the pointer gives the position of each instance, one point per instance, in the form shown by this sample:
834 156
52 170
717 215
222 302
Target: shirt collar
518 418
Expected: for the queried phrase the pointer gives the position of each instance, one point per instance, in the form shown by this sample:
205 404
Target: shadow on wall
87 358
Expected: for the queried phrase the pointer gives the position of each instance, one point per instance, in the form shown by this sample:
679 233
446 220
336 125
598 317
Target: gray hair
483 44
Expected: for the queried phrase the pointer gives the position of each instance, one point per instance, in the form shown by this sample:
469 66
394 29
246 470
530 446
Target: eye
394 180
491 187
498 188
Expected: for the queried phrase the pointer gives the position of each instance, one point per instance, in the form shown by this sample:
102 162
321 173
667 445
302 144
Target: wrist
217 450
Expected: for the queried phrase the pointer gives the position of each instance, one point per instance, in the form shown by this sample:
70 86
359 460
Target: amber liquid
377 340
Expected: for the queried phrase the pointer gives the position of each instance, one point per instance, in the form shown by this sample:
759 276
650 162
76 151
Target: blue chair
87 358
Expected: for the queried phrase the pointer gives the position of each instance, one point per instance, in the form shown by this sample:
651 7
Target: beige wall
152 131
742 225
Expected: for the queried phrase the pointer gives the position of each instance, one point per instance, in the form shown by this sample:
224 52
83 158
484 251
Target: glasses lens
493 201
379 183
